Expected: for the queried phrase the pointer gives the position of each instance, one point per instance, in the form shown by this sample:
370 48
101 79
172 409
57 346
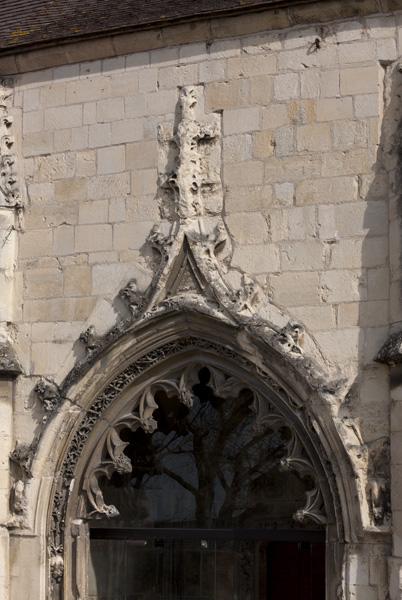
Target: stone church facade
203 213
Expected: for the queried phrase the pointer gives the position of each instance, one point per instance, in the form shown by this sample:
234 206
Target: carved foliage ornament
9 193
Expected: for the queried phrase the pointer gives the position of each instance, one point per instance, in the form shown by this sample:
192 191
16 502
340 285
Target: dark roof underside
24 23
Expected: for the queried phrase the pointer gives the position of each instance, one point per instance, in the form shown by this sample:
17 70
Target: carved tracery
273 447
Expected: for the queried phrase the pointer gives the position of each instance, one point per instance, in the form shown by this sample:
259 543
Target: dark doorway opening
206 565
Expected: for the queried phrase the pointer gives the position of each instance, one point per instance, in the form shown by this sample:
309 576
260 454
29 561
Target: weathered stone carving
18 499
291 338
90 340
9 363
9 193
391 351
134 299
56 563
49 395
22 457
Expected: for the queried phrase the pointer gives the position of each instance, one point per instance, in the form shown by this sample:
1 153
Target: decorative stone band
9 192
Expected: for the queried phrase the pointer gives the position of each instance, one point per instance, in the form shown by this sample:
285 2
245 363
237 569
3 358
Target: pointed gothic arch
168 344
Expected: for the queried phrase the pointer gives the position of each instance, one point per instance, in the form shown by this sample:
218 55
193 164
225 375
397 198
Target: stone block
362 218
247 228
343 286
161 102
378 284
47 358
142 155
86 163
256 259
93 212
111 109
148 80
250 66
35 243
248 198
302 256
63 117
100 134
43 283
340 345
52 95
212 70
89 238
274 116
69 190
237 148
241 120
117 210
367 105
284 140
295 289
286 86
373 314
109 186
329 83
224 48
189 53
131 235
349 31
38 143
63 240
386 50
111 160
327 190
333 109
349 134
315 318
128 130
135 106
173 77
226 94
31 99
89 113
315 137
33 121
261 90
364 80
144 182
250 172
310 83
358 51
302 223
302 112
263 144
88 89
77 280
285 193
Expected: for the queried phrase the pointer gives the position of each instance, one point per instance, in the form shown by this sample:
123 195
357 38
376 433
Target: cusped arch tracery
97 450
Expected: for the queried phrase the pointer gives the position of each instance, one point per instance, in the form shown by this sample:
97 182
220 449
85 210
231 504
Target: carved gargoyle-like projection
49 395
210 440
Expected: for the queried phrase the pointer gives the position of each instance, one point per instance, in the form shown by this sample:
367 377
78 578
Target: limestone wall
309 171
